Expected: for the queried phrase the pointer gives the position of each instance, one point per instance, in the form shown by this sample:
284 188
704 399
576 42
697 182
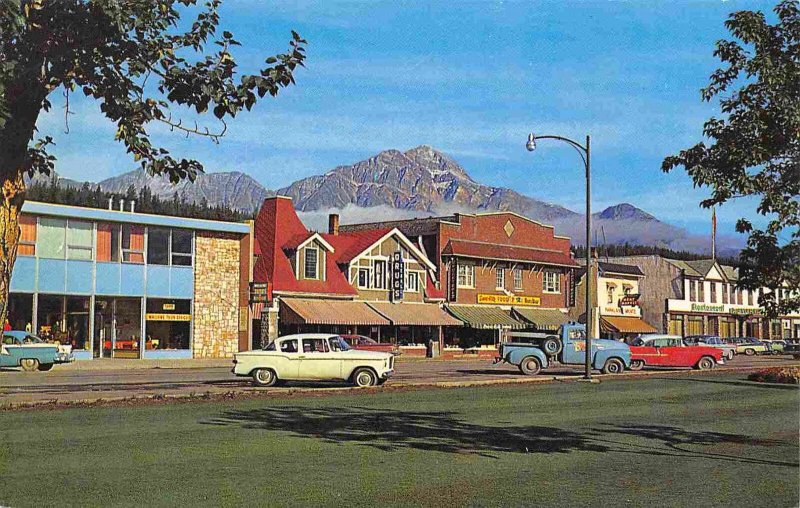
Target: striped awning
486 317
620 324
257 309
304 311
543 319
415 314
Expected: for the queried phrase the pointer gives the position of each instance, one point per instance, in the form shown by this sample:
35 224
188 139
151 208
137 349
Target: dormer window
311 267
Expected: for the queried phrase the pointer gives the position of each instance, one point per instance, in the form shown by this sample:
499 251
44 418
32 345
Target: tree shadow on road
392 430
733 382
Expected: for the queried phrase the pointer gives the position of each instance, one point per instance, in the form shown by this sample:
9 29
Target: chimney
110 203
121 205
333 223
133 205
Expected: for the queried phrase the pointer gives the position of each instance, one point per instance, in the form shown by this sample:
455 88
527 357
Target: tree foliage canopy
136 58
754 148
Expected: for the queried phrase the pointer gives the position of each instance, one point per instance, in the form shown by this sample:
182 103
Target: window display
168 324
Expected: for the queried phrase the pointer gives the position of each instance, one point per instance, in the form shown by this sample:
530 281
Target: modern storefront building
120 284
374 282
702 297
499 272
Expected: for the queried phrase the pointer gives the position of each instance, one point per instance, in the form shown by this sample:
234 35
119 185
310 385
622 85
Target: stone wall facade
216 295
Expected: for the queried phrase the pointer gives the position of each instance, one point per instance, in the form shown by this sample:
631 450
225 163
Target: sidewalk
120 364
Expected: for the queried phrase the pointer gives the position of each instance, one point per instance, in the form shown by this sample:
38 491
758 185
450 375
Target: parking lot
113 380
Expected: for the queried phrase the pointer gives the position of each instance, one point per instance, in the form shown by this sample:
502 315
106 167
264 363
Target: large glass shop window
50 316
77 322
129 323
168 323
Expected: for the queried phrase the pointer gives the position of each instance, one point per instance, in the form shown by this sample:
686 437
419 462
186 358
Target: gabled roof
503 252
699 267
606 267
349 245
366 235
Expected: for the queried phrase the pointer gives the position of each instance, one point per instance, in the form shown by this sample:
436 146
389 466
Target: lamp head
531 144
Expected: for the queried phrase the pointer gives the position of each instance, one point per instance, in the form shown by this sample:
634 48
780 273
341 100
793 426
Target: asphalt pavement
110 381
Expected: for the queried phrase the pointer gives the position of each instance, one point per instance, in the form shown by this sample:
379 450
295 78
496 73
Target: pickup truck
532 352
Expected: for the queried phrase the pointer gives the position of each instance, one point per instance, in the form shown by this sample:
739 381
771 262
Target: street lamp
584 152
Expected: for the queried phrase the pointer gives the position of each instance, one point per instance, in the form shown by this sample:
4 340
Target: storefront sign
745 310
167 317
398 276
259 292
704 307
572 289
168 306
627 311
629 301
509 300
452 282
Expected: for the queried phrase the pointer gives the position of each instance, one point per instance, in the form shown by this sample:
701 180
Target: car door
676 354
317 361
7 349
285 359
648 352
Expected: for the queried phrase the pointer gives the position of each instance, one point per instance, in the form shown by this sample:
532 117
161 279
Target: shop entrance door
103 328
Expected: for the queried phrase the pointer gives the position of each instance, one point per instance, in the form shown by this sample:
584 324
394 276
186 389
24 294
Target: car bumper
387 374
64 358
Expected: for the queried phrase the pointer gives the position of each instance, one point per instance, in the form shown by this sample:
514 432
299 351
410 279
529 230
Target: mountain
421 179
415 183
233 190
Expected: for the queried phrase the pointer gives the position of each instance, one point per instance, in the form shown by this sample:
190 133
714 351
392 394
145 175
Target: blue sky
471 79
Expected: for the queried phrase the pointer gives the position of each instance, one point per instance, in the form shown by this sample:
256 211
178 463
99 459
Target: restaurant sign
509 300
167 317
704 307
745 310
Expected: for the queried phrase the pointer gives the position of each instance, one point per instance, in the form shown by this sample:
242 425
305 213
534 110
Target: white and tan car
313 357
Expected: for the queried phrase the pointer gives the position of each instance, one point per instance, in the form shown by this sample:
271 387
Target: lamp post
585 153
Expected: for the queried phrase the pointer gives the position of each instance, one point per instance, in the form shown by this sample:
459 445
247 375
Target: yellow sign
168 306
509 300
167 317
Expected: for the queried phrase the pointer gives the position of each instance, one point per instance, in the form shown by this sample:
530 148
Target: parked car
367 344
748 345
728 350
531 352
671 351
22 349
313 357
792 348
776 346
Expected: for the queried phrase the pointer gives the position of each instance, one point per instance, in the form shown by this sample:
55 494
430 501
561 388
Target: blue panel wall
79 277
108 279
132 279
24 276
158 280
52 275
182 282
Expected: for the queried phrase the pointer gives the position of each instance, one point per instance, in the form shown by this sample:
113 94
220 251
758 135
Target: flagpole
713 232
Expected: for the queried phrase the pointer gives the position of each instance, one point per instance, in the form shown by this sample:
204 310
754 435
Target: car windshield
32 339
577 333
339 344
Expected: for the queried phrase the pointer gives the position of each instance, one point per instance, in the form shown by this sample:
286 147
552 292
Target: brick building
120 284
499 271
373 282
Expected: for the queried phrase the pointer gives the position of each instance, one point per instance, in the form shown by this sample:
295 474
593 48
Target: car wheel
551 346
749 352
637 365
29 364
530 366
706 363
730 355
364 378
264 377
44 367
613 366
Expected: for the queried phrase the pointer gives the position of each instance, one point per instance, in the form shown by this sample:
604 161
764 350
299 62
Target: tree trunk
10 206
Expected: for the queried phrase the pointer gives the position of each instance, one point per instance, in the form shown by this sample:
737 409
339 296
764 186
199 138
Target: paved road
71 384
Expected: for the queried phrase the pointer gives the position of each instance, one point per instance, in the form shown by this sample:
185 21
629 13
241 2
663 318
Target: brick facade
216 295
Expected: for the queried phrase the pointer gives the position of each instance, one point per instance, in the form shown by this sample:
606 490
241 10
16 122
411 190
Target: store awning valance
306 311
415 314
543 319
484 317
619 324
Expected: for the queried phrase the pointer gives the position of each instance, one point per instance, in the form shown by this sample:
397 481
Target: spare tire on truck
551 345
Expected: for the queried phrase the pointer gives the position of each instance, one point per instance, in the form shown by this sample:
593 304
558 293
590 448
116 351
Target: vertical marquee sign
398 276
571 281
452 281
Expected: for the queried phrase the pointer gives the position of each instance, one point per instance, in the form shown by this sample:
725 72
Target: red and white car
367 344
671 351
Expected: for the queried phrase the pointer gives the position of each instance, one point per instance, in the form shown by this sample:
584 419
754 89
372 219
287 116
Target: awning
415 314
484 317
619 324
543 319
302 311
